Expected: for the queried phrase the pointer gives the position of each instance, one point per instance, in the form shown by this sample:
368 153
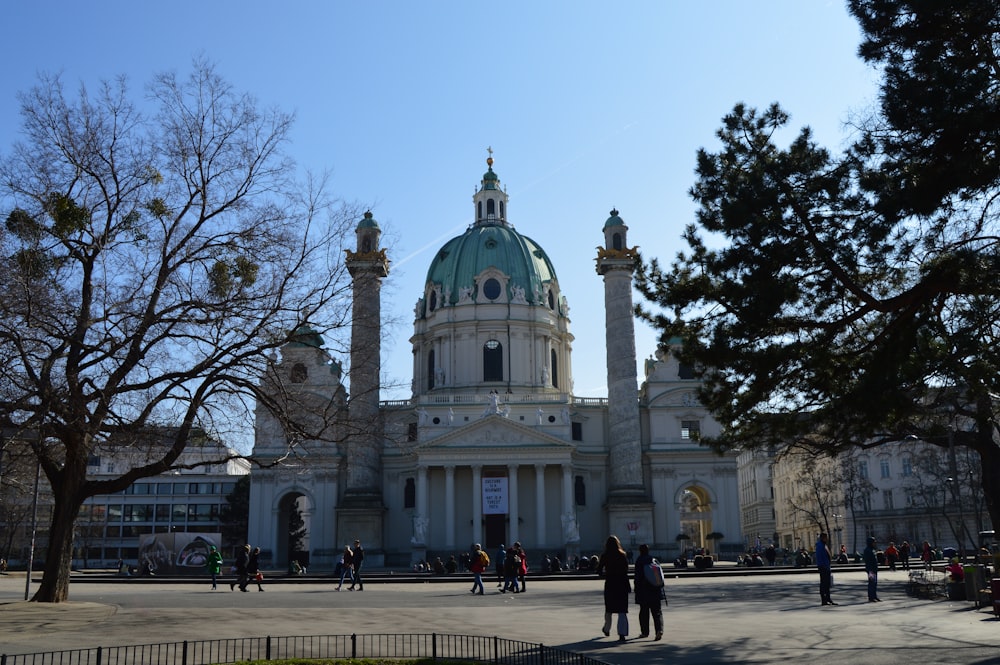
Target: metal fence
205 652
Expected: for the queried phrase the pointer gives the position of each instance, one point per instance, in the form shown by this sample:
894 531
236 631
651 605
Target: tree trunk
989 456
58 561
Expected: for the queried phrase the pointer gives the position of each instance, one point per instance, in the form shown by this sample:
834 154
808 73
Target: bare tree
153 256
819 492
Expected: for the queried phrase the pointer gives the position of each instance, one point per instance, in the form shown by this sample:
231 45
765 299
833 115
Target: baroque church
492 447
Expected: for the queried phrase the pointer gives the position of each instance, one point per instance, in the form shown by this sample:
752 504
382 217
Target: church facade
492 447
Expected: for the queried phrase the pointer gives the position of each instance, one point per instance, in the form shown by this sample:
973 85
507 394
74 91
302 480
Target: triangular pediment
494 431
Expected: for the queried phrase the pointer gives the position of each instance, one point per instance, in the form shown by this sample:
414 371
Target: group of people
511 567
246 568
613 565
870 556
349 565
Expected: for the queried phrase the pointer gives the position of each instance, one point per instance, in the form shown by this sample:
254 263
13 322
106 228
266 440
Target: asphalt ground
712 618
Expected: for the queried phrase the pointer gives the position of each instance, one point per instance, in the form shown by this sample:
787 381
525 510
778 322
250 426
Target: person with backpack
479 561
649 592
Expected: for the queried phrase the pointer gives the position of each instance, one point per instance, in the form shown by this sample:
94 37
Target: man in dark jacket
359 557
648 596
242 559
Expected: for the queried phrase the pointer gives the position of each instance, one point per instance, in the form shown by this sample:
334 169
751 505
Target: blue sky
587 105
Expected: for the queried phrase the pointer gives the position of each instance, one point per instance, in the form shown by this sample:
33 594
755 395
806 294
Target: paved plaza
710 619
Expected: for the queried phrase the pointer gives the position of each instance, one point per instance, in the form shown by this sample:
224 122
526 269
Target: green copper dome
368 222
499 246
614 220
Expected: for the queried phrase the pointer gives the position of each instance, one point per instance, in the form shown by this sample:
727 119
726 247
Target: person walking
359 558
904 555
511 568
613 565
871 569
214 564
823 563
926 555
346 567
242 559
648 596
253 569
478 562
501 557
891 555
522 569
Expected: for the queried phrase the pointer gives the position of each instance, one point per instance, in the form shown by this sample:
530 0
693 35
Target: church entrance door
496 531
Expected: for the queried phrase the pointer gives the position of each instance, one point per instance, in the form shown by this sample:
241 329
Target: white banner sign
494 496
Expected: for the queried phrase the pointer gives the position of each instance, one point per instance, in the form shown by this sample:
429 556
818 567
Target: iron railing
385 645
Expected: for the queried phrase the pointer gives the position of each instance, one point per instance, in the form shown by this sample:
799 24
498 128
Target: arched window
410 494
299 373
555 368
430 370
616 241
580 491
491 210
366 245
552 300
501 210
492 361
434 301
479 210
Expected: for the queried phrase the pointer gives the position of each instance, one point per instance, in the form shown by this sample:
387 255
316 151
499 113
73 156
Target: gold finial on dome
489 160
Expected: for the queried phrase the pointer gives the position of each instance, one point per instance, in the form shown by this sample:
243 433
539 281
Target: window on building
492 289
138 513
410 494
907 467
433 301
479 210
616 241
555 368
865 502
911 499
411 431
887 500
884 468
690 430
580 491
863 469
492 361
162 512
491 210
577 429
552 300
94 460
299 373
430 369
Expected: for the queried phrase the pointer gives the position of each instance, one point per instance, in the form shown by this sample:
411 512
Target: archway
695 508
292 530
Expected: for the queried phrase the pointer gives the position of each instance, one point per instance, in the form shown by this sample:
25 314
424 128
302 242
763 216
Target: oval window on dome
491 289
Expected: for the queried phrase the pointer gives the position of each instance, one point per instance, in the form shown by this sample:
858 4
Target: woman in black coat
613 565
648 596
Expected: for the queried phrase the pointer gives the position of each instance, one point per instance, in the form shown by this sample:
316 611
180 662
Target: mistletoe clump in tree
839 300
153 257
